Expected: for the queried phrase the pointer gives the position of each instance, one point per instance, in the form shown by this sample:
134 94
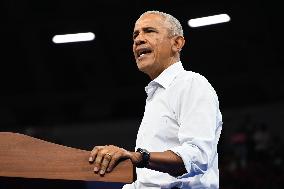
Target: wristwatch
145 158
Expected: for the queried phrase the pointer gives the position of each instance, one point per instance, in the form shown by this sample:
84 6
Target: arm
106 157
200 125
167 162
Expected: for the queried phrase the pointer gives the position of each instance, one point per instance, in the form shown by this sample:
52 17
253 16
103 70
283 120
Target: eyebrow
144 29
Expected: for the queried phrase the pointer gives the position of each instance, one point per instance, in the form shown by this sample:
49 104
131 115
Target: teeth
141 55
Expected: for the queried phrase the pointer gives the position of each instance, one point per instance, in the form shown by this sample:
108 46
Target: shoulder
188 79
189 83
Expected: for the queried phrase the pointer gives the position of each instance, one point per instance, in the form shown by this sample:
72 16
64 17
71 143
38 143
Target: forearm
167 162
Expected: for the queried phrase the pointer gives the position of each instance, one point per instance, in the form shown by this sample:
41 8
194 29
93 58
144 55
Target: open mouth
142 52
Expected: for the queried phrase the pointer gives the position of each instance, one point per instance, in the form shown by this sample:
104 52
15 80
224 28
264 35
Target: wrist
136 157
144 158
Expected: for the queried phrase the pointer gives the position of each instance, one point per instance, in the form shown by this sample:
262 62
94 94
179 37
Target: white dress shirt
182 115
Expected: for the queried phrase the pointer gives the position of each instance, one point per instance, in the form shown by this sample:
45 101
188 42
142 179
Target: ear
177 43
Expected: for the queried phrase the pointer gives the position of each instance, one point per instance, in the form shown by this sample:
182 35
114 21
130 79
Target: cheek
167 46
133 49
156 45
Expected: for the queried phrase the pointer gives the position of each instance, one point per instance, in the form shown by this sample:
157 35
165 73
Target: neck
162 67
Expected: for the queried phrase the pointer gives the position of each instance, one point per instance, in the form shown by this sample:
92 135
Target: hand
106 157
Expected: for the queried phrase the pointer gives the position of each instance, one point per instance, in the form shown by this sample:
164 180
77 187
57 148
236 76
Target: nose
140 39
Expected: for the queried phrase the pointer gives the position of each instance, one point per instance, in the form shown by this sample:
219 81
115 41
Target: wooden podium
22 156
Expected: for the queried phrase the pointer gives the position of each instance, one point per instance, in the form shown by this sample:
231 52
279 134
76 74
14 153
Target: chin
143 67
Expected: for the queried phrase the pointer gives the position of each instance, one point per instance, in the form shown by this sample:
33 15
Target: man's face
152 44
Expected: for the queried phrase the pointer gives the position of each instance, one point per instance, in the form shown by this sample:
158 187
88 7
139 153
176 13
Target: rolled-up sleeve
197 113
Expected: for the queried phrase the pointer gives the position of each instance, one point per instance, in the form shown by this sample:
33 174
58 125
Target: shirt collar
168 75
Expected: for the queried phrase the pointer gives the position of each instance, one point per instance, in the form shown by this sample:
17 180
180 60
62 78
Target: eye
149 30
134 36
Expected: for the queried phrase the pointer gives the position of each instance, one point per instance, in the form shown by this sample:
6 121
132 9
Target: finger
105 163
94 153
98 161
100 155
114 161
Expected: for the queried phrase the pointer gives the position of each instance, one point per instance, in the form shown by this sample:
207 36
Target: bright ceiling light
209 20
76 37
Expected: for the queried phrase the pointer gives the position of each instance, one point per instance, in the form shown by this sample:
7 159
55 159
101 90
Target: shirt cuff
188 154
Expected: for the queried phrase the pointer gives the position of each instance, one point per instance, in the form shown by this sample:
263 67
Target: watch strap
145 158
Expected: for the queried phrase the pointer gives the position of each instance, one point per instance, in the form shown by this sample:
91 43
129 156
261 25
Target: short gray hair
175 26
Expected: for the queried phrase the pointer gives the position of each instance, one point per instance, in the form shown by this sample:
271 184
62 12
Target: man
176 144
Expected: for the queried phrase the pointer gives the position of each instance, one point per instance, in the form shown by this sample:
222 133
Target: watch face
140 150
146 151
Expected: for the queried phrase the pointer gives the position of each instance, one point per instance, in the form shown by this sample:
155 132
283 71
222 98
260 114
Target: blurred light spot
76 37
209 20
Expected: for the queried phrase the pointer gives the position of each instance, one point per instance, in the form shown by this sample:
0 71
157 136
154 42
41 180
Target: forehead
150 20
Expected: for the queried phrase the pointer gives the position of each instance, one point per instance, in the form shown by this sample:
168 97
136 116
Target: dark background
91 93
